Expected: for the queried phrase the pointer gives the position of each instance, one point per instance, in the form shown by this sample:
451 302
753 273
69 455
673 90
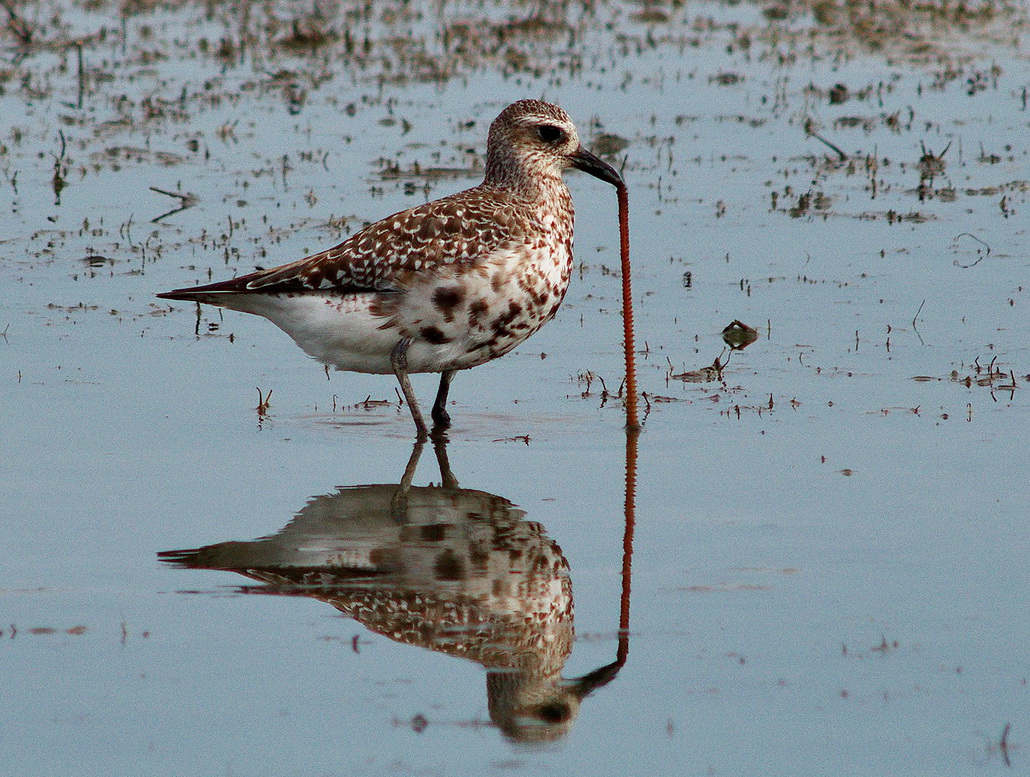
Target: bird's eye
549 133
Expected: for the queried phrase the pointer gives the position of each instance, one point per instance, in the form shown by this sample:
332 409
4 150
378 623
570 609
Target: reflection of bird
444 286
453 570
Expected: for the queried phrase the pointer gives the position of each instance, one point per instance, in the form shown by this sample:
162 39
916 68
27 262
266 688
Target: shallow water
829 570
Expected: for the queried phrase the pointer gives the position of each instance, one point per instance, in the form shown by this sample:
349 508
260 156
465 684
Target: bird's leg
399 362
440 416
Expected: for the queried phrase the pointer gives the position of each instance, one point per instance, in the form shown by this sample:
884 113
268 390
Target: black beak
588 163
588 683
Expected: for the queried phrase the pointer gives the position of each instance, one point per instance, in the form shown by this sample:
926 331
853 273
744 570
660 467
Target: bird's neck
525 178
538 192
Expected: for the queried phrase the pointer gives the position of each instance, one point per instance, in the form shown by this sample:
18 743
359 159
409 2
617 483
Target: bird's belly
340 330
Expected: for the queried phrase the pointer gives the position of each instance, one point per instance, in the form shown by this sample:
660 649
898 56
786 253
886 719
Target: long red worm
632 423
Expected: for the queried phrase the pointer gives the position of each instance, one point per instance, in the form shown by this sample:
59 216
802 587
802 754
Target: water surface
829 570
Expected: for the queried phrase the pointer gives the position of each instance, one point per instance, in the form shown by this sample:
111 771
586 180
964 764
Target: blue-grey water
829 570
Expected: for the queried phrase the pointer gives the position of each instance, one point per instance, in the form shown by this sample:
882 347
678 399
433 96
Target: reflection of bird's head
529 708
532 708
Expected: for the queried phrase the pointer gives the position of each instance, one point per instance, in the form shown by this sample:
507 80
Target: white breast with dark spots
464 315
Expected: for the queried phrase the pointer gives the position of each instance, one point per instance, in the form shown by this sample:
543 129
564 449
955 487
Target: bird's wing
381 256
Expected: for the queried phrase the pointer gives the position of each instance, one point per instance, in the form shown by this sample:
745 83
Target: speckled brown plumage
444 286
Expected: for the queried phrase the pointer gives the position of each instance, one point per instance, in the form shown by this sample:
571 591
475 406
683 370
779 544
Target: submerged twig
812 133
980 258
918 311
82 73
186 200
21 29
264 402
916 316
